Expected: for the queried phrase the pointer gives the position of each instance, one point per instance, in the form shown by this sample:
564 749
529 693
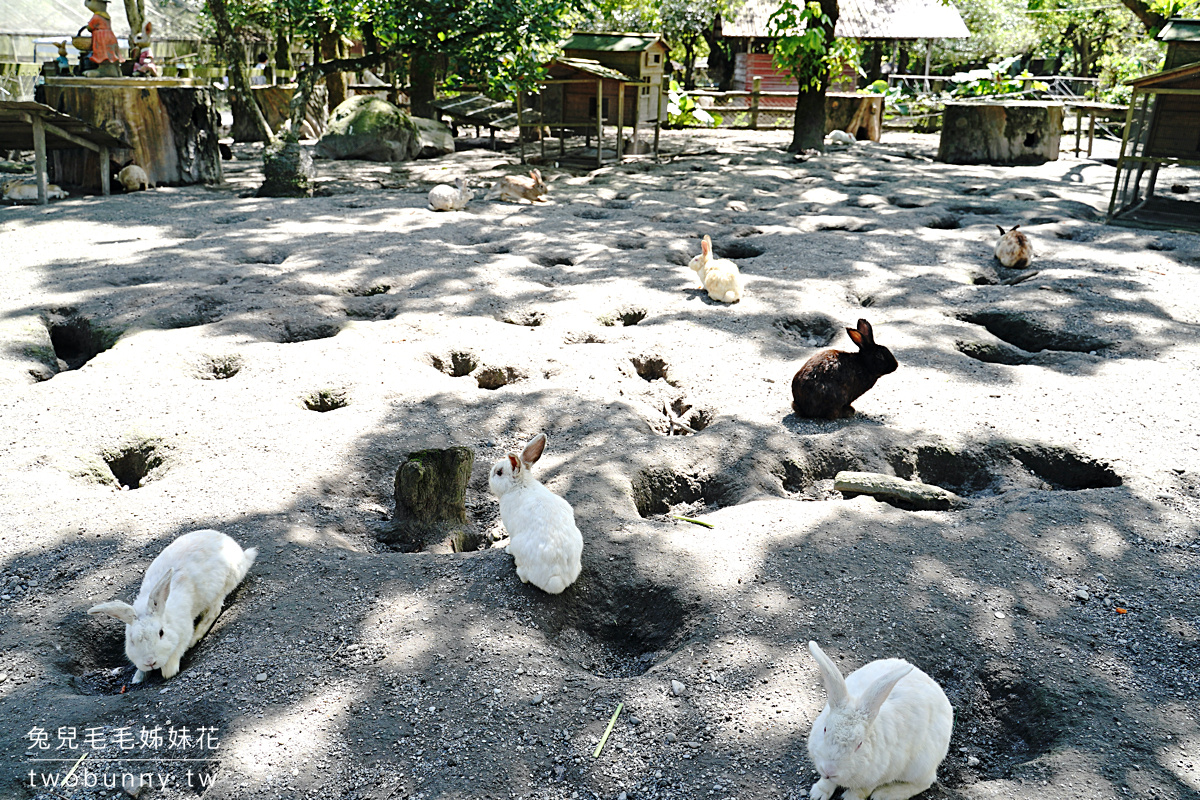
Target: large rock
1002 133
370 128
435 138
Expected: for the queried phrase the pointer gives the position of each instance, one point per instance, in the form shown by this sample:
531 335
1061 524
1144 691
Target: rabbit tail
555 585
732 296
248 557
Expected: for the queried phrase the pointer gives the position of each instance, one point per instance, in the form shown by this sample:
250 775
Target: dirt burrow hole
651 367
613 630
327 399
495 377
808 330
737 249
75 338
681 417
295 332
1001 716
132 462
662 490
95 660
529 319
218 368
370 290
457 364
1030 335
627 316
553 260
975 470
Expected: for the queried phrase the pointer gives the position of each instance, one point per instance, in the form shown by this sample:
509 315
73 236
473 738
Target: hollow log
1001 133
173 130
430 493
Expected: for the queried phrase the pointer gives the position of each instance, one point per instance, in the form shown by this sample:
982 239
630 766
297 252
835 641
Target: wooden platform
37 127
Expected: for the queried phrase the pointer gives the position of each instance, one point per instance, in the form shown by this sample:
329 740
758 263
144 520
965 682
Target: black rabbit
833 379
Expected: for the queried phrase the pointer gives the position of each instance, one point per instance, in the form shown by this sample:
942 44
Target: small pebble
622 796
671 737
3 677
972 761
677 688
634 721
999 615
1081 594
260 677
537 700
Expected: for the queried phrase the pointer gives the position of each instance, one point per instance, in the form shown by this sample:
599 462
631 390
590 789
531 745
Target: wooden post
1091 131
520 133
542 121
1078 128
620 119
599 122
105 177
662 90
39 157
756 88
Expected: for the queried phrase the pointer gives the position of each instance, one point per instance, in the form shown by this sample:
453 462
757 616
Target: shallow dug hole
1031 335
616 629
809 330
1002 716
132 463
661 490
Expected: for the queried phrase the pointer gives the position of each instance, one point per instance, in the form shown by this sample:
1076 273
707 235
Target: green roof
1181 30
612 42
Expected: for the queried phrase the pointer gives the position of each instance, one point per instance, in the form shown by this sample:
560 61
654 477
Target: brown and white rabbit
133 177
1014 250
833 379
518 188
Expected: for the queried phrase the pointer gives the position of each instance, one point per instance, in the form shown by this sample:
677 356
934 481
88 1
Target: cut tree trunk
240 97
335 82
1001 133
430 493
808 129
275 103
173 130
422 80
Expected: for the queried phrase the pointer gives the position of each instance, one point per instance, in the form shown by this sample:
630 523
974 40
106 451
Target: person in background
259 76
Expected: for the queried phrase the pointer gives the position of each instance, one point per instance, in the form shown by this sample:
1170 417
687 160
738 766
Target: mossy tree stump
430 493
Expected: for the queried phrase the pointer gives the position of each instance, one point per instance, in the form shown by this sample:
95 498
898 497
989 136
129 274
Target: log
1001 133
275 103
173 130
860 115
430 493
905 494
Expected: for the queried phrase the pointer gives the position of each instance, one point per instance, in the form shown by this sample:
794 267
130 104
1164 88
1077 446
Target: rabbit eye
160 633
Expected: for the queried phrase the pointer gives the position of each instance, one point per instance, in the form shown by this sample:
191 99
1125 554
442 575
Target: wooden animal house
582 96
640 56
1158 171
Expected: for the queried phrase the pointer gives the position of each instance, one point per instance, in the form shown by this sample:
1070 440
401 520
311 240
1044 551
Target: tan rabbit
133 178
1014 250
518 188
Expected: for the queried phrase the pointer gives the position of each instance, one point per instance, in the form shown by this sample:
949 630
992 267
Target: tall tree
805 45
240 95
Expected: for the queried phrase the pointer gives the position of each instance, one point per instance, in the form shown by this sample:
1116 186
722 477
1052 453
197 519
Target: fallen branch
612 722
693 521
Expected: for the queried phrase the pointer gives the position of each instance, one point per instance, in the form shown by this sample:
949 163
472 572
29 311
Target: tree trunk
422 82
875 61
720 56
283 49
240 95
335 82
808 130
1152 21
689 67
135 12
430 493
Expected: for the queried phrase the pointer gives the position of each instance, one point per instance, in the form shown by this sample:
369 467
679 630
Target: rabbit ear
115 608
158 595
533 450
515 462
855 336
536 174
1001 229
1014 227
835 685
872 699
706 245
864 330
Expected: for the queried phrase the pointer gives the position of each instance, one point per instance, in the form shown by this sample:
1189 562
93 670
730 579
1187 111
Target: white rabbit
133 177
450 198
840 138
189 579
883 733
1014 250
543 539
719 276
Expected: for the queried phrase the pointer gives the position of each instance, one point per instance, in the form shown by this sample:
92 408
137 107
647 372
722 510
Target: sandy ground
203 322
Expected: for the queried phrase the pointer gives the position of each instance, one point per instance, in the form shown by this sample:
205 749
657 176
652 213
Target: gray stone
433 138
678 689
909 494
370 128
287 170
261 677
1082 594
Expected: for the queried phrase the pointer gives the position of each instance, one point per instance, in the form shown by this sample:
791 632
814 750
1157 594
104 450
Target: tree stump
430 492
275 102
287 170
1001 133
173 129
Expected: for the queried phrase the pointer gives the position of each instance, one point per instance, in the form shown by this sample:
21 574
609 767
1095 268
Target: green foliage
804 44
683 111
994 79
